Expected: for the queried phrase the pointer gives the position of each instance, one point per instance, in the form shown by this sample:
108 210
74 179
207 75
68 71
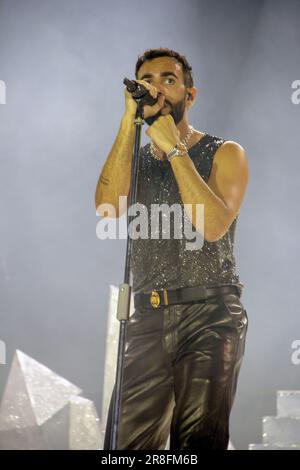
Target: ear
191 96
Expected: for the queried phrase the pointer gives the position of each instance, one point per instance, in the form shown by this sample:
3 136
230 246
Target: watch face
179 150
175 153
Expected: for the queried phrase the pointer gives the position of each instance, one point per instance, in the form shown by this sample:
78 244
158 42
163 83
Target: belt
165 297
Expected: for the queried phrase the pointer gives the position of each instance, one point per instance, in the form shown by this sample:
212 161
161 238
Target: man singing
185 340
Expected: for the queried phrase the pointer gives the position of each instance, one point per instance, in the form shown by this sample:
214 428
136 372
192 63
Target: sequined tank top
159 263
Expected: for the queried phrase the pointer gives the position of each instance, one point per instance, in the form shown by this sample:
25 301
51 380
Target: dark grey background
63 62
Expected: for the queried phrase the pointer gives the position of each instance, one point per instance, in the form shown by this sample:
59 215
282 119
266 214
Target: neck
183 127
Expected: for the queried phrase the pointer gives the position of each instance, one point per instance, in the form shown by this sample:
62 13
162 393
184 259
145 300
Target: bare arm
114 179
223 193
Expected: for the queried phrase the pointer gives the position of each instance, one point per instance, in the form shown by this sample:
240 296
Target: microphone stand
142 97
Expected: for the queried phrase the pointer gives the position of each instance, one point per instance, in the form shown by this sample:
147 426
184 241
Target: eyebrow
162 74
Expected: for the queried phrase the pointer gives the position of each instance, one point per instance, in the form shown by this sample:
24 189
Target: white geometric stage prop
111 351
85 430
282 432
41 410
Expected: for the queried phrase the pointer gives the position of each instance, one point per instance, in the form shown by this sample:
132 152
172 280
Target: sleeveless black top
157 262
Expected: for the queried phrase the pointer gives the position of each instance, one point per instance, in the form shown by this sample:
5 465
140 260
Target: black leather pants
180 375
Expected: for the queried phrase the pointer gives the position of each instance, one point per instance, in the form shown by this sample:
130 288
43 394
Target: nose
159 87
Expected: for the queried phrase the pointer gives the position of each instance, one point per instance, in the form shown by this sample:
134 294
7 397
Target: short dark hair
164 51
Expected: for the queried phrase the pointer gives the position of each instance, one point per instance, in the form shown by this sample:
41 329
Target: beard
177 112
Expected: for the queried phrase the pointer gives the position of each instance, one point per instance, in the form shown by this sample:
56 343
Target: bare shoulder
229 176
231 157
232 151
230 166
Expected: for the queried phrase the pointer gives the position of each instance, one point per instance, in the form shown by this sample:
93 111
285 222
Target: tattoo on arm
104 180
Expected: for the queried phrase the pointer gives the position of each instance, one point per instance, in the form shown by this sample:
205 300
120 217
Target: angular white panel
288 403
271 447
84 430
111 349
41 410
33 394
283 432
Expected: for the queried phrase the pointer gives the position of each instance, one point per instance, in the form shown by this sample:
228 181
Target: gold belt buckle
155 298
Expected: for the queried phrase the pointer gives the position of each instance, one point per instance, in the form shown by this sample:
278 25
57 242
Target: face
166 74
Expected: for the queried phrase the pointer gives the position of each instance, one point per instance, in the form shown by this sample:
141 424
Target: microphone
139 92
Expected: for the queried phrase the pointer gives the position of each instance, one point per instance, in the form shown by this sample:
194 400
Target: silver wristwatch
179 150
